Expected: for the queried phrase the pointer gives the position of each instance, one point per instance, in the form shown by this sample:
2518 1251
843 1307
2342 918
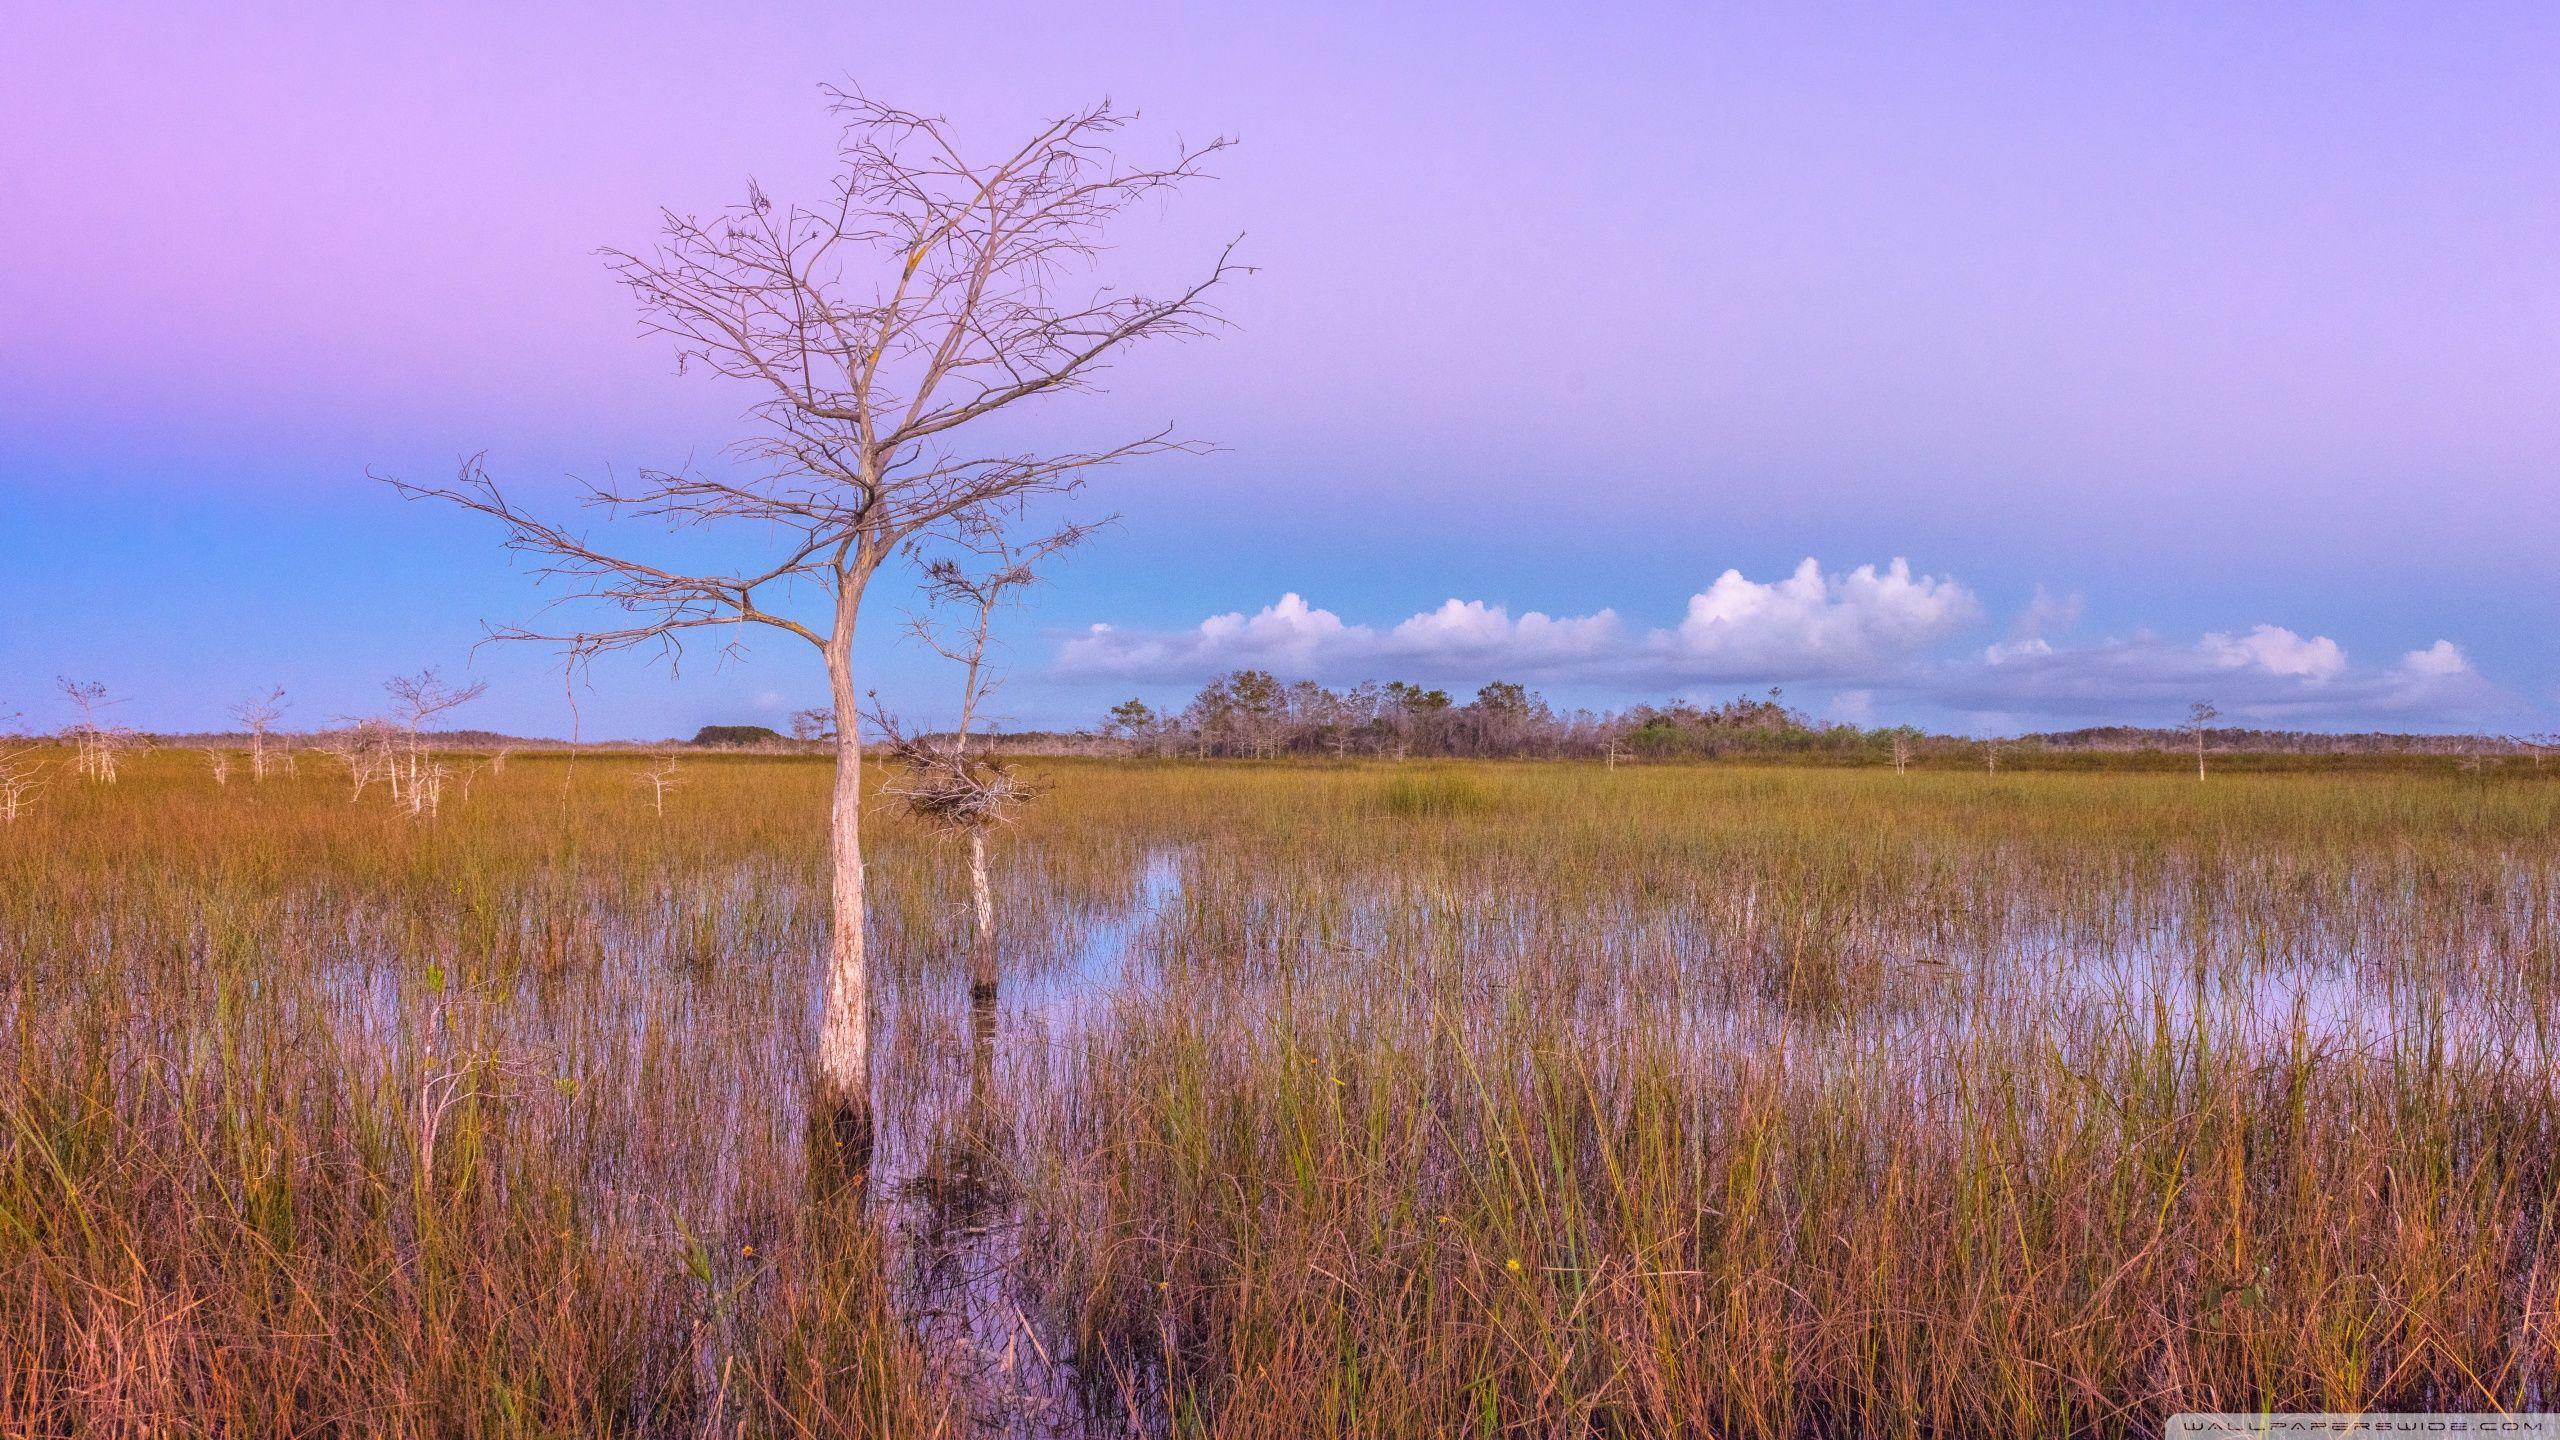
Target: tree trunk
981 898
840 1103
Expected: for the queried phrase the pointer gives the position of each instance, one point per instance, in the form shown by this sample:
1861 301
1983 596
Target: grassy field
1387 1101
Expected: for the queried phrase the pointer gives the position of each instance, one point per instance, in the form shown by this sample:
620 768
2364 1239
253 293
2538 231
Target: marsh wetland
1488 1099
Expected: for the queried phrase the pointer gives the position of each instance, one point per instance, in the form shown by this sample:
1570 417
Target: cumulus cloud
1877 638
2441 658
2277 651
2270 675
1809 626
2001 651
1803 627
1470 630
1294 638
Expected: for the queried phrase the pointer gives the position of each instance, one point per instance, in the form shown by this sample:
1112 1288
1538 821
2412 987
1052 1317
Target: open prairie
1497 1099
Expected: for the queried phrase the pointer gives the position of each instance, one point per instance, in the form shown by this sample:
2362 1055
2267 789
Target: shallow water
655 1041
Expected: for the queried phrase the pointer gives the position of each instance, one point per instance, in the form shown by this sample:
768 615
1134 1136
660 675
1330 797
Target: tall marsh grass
1657 1101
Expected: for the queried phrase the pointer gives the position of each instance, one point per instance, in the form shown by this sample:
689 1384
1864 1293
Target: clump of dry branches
949 786
957 790
945 783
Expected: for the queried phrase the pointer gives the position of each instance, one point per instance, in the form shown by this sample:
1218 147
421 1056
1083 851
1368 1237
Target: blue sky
2177 353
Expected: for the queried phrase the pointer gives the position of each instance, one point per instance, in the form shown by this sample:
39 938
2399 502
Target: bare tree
659 777
962 793
96 743
219 761
21 776
876 327
258 715
369 748
1901 754
22 769
2200 716
417 778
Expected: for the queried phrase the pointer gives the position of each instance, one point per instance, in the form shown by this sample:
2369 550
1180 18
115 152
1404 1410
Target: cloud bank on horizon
1864 633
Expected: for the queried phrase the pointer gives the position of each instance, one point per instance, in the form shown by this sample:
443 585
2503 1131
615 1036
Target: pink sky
2217 318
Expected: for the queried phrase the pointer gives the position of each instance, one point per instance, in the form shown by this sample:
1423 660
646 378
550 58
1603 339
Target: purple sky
2182 352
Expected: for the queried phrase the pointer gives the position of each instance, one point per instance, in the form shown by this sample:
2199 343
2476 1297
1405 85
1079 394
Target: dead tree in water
962 793
925 292
943 783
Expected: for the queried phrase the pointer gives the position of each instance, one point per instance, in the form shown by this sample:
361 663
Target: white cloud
1295 638
2441 658
2001 652
1806 626
2270 676
1879 636
1291 628
2277 651
1471 628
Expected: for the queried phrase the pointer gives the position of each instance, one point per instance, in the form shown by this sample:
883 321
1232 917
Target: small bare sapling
258 715
96 743
658 778
21 772
943 782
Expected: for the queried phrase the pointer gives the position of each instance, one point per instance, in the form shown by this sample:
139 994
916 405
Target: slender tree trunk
981 897
983 992
840 1109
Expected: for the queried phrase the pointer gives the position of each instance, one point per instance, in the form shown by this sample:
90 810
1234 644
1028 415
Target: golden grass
1490 1099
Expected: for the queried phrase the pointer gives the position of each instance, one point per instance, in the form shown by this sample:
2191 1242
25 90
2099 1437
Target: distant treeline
2293 742
1251 714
